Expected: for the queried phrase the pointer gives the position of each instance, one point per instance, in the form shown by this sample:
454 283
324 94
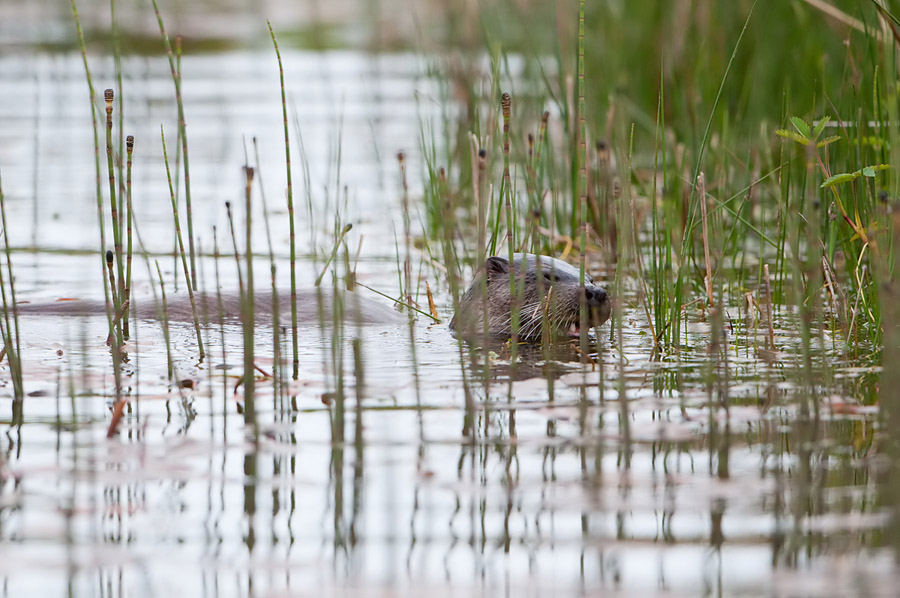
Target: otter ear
494 266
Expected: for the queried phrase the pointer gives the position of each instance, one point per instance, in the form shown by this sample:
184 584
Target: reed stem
184 263
129 148
582 187
247 312
506 109
10 332
118 291
182 133
290 206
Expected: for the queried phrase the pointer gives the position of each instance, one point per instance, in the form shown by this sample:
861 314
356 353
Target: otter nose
595 296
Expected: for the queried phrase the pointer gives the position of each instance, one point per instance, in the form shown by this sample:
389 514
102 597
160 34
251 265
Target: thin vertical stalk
290 206
701 194
99 193
220 309
164 320
407 233
538 208
182 133
118 293
181 251
477 165
11 330
506 107
117 58
129 148
582 187
656 244
237 256
276 312
247 312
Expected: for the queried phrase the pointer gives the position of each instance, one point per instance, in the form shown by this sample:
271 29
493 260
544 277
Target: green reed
248 319
506 199
129 148
115 352
10 328
290 206
118 293
182 134
220 310
181 251
582 184
276 308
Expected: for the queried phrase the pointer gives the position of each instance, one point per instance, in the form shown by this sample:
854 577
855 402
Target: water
714 477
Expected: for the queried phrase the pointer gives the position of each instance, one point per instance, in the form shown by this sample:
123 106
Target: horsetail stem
237 257
247 312
582 184
10 331
129 148
118 292
506 108
276 315
290 206
181 251
404 199
182 133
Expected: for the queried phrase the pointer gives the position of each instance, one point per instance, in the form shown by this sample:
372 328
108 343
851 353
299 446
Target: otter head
548 297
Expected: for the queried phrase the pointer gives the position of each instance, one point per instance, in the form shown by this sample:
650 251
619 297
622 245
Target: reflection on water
530 486
417 467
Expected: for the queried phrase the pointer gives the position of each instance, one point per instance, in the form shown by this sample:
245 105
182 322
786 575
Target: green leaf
792 135
820 126
839 179
828 140
800 125
869 171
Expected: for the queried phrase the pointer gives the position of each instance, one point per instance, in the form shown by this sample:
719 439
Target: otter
178 308
549 290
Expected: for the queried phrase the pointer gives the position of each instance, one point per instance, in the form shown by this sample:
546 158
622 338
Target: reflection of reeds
220 311
275 306
164 320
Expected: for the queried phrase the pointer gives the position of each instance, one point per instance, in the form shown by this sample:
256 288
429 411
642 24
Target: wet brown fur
548 290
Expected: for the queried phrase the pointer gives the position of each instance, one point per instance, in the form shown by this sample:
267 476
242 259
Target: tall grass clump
794 162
